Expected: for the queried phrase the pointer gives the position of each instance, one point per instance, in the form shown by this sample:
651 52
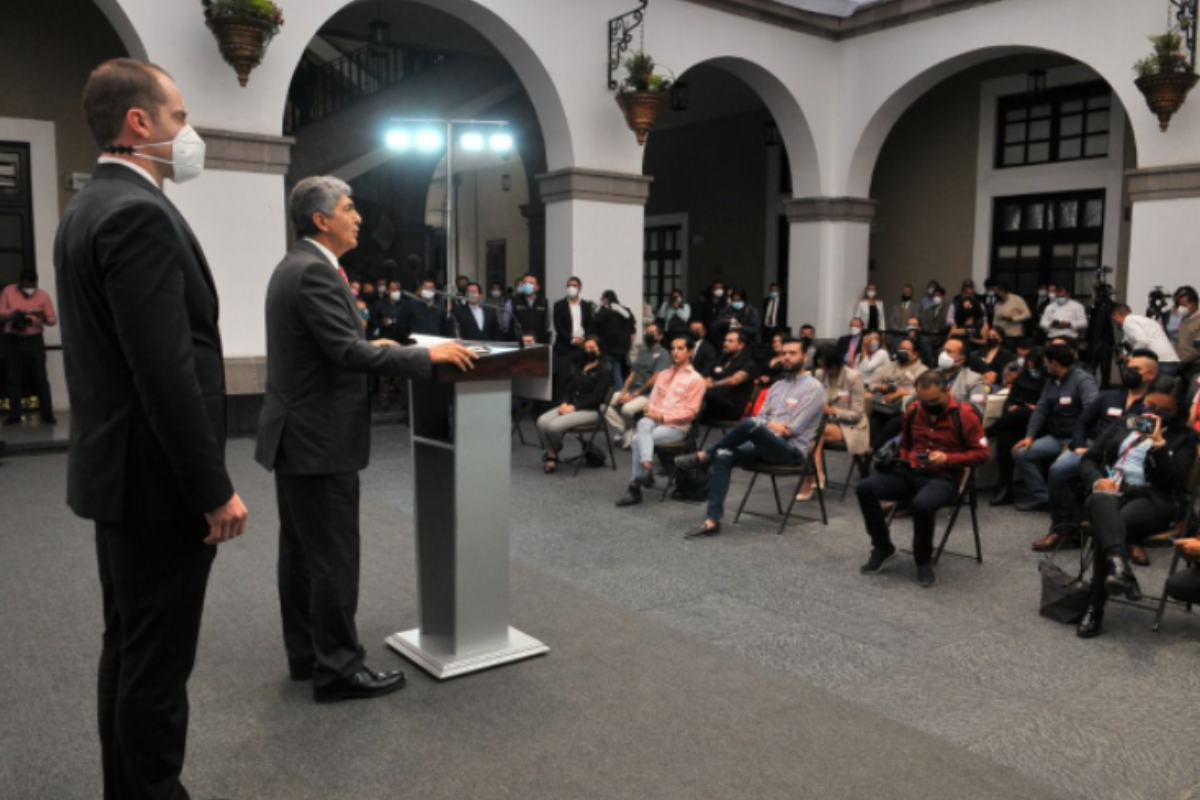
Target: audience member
616 329
731 385
385 314
969 315
26 311
580 403
530 313
634 396
477 321
1187 340
938 318
774 367
773 320
573 322
991 361
891 390
425 316
870 310
674 313
921 342
496 298
1056 425
1138 376
927 299
939 440
872 358
739 316
990 301
1011 312
965 383
850 345
1024 392
673 407
711 306
845 413
1136 476
1143 333
808 340
1064 317
704 357
782 433
906 307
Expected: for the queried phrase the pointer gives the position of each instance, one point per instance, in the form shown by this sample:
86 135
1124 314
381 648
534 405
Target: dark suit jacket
470 328
704 358
562 322
143 356
420 317
316 418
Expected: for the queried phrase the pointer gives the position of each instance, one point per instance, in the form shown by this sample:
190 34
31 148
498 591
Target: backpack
593 456
691 485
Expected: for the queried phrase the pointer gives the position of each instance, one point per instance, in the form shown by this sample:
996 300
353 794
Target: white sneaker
627 440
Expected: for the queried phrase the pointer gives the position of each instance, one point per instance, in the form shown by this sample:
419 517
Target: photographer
939 439
674 314
1186 321
25 311
1144 333
1135 474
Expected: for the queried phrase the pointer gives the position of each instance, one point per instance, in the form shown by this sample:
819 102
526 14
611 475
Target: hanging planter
243 29
1166 77
642 96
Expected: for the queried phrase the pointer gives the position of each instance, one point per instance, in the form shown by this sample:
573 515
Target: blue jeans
616 367
1064 474
744 446
1035 460
649 434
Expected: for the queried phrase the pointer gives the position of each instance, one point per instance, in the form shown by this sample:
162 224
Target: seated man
1056 427
704 355
1136 475
1139 374
963 382
635 394
674 404
583 394
783 433
732 382
939 439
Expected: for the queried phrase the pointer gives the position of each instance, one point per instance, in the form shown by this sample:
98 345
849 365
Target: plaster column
827 260
1164 239
594 230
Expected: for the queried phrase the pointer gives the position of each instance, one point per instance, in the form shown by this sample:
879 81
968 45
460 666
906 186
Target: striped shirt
797 401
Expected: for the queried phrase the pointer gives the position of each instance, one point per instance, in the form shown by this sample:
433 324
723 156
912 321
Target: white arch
124 27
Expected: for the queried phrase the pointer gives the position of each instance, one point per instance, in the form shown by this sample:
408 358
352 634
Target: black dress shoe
1120 580
301 669
1003 496
632 497
702 531
1037 505
1092 622
362 685
647 480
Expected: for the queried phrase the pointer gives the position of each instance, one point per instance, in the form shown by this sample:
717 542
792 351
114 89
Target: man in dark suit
426 316
774 317
147 382
573 322
477 321
314 432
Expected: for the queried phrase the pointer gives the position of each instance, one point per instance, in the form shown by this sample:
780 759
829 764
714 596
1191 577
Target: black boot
1092 622
864 467
1120 580
1003 496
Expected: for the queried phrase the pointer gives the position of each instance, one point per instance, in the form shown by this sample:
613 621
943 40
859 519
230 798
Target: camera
1158 305
1140 424
21 321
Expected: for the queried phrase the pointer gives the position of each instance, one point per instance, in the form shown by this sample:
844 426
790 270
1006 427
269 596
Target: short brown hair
113 88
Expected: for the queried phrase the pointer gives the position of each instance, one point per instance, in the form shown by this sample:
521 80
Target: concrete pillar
827 260
594 230
1165 238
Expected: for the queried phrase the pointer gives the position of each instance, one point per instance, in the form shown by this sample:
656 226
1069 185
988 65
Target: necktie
342 272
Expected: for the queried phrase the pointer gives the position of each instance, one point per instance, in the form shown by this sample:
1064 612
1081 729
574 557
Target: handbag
1064 598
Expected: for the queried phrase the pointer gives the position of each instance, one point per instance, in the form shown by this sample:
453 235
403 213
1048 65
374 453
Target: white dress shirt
576 308
1144 333
1072 311
477 312
129 165
772 312
325 251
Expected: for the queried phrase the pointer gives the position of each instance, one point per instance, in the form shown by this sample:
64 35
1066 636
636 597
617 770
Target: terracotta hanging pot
641 110
242 41
1165 94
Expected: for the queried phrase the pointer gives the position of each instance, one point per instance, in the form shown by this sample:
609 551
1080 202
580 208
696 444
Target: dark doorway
663 264
16 213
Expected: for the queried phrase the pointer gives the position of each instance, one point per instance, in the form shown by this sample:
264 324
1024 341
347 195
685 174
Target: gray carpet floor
746 666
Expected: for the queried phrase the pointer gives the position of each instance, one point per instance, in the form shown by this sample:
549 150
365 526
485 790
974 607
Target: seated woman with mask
580 405
991 359
894 384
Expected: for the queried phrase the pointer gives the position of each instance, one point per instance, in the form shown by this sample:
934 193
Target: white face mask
1062 301
1042 292
29 291
187 154
718 293
572 292
937 301
945 360
395 297
496 293
870 294
428 294
855 330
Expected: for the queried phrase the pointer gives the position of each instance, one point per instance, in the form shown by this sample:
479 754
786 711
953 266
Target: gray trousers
552 427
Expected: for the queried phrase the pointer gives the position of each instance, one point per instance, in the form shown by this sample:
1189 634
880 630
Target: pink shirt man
37 306
677 395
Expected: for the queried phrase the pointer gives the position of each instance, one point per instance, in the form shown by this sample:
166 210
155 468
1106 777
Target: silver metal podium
461 441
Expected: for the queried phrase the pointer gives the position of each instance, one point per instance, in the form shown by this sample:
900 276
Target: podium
461 443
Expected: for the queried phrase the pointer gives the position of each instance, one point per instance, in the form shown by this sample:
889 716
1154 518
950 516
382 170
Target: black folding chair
673 450
840 447
586 435
517 417
775 471
968 494
722 425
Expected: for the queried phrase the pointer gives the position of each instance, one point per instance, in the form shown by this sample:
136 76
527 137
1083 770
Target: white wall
1097 173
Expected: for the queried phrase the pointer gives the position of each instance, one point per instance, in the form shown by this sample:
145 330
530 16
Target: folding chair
517 430
722 425
840 447
586 435
967 493
775 471
675 449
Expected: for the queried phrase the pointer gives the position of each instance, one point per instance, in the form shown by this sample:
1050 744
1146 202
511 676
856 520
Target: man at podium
314 433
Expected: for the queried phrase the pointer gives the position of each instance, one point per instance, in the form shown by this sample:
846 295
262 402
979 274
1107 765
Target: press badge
1114 412
791 402
1064 401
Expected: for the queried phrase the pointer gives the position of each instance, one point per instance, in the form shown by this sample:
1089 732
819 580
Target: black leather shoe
300 669
1120 580
362 685
647 480
1091 624
632 497
1003 496
1039 505
702 531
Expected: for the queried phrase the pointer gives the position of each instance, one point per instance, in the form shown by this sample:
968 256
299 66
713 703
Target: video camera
21 321
1158 306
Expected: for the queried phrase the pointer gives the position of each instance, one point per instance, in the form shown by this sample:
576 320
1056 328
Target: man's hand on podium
384 343
453 353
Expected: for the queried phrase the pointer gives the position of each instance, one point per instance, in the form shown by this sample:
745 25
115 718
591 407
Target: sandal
551 463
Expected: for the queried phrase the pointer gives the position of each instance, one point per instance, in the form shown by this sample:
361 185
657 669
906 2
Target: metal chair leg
745 497
670 480
1162 601
612 459
974 506
775 489
787 515
849 475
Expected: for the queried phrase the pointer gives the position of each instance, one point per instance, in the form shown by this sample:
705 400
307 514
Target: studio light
399 140
472 141
429 141
501 142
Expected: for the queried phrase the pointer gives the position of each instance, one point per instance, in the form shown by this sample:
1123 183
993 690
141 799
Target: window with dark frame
16 213
1067 124
663 264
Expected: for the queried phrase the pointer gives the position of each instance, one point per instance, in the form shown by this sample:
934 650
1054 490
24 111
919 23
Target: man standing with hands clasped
314 433
147 381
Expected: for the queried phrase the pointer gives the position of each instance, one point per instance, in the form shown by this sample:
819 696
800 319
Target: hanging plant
243 29
1167 75
642 95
